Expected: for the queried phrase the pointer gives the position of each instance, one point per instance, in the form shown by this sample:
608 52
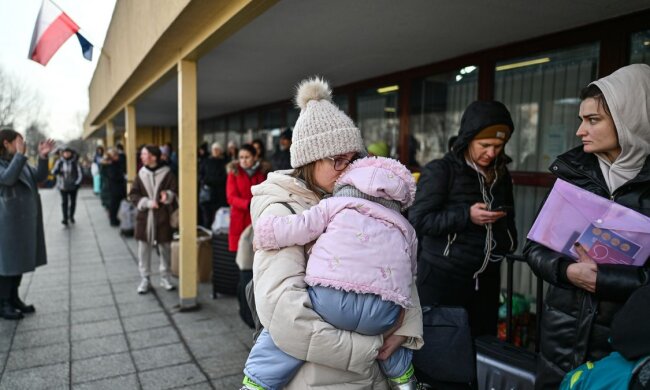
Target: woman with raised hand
22 240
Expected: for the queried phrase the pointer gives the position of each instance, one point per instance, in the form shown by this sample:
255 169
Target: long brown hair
8 135
306 174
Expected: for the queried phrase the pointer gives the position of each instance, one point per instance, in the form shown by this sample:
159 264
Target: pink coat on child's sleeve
362 247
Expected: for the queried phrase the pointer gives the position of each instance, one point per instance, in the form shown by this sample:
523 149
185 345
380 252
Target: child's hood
381 177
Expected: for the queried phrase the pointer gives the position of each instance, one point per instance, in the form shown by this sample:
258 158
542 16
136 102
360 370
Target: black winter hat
477 116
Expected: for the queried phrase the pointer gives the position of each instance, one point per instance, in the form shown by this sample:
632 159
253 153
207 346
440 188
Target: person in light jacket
153 192
613 162
325 141
22 240
362 266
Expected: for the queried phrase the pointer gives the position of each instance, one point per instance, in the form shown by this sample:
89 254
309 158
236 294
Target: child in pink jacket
360 270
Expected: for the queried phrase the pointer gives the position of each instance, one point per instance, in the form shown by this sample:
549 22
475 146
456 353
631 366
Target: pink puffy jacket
362 246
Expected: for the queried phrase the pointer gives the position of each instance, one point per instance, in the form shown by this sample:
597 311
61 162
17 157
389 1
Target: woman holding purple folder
613 162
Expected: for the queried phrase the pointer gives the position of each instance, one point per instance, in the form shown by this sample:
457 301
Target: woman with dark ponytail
22 241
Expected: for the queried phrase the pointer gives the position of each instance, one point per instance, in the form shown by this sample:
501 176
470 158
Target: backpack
613 372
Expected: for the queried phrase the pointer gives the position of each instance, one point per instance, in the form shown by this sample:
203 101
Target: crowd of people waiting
379 248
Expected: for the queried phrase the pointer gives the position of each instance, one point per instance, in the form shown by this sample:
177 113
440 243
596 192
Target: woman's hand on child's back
396 325
391 343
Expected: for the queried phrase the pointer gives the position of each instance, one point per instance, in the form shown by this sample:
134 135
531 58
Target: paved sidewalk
91 330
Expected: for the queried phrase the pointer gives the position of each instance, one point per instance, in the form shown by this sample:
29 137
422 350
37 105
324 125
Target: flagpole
56 5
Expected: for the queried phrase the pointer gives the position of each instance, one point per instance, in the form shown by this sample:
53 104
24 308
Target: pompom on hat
322 129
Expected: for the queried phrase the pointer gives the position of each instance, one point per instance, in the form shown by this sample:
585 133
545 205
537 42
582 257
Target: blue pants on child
367 314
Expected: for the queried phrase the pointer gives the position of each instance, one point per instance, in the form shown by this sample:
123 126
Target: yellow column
130 135
187 146
110 134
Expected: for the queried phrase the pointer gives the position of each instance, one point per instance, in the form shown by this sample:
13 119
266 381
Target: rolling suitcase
225 273
499 364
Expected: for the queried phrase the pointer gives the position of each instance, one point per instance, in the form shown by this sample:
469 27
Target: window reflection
377 117
640 48
437 104
541 93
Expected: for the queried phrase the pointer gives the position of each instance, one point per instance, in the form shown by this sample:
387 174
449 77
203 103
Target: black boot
22 307
8 312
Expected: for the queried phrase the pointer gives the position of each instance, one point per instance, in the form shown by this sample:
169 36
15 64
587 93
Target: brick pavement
91 330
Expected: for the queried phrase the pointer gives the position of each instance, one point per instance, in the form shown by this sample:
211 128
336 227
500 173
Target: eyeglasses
340 163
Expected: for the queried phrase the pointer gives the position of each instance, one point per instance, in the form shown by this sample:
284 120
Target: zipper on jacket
450 240
580 173
612 196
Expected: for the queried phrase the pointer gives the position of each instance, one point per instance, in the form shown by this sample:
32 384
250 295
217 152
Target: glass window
272 118
292 116
235 129
251 120
542 94
640 48
206 128
437 104
342 101
270 131
221 134
377 116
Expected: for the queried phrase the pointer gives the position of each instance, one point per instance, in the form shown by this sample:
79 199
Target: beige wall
146 40
154 135
136 27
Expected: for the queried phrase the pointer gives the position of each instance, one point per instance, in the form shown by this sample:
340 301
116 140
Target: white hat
322 130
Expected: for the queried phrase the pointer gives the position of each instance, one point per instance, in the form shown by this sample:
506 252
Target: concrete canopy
347 41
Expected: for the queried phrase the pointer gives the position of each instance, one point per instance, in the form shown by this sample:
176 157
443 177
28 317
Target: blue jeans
366 314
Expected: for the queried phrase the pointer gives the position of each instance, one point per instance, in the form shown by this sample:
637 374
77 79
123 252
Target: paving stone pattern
92 330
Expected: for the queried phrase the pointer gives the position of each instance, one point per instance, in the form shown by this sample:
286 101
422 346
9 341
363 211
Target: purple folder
611 233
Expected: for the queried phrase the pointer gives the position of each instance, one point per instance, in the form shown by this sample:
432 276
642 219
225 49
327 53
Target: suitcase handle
510 260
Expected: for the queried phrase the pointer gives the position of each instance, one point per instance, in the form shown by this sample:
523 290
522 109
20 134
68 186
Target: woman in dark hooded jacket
613 162
462 241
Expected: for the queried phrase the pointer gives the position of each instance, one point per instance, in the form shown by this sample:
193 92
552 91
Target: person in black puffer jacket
613 162
462 241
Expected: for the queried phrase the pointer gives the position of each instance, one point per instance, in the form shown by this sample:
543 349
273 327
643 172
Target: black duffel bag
448 351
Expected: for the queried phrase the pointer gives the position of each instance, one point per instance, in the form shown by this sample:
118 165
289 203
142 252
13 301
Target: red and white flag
53 28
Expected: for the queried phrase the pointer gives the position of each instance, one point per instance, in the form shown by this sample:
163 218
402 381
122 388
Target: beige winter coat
335 359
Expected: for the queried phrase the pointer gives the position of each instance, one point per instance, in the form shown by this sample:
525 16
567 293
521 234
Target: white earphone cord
490 242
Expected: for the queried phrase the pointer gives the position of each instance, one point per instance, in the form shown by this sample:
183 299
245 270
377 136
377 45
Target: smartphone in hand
505 209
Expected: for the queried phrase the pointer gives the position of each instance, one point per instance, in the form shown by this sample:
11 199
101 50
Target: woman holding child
325 142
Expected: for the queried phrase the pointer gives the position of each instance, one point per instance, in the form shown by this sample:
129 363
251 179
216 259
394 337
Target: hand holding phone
505 209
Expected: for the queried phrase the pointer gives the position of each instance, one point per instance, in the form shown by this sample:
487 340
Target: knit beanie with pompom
322 129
